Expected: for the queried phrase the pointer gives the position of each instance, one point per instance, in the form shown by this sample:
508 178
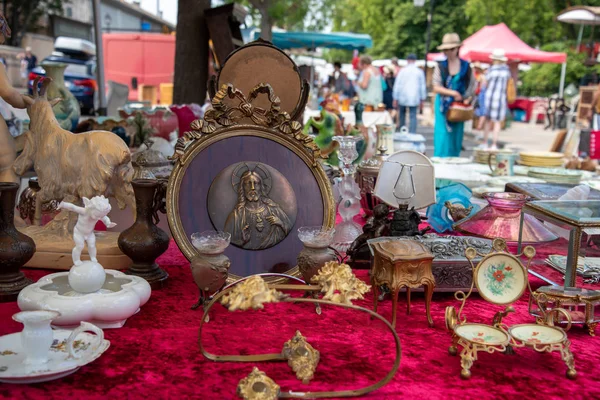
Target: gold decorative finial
258 386
251 293
302 357
339 284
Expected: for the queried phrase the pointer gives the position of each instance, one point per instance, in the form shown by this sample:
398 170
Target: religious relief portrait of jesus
258 220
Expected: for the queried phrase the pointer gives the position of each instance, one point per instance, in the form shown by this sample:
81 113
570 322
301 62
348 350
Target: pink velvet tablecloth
156 356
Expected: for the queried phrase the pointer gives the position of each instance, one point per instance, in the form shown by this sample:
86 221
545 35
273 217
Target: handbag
460 112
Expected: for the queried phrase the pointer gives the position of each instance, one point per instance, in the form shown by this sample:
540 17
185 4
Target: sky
168 7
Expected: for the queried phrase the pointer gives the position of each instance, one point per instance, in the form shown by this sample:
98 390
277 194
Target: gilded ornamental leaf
251 293
339 284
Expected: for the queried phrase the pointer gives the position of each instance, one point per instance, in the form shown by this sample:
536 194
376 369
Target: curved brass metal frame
469 350
272 124
274 296
296 114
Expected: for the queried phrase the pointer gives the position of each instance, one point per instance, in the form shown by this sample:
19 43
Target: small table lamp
406 181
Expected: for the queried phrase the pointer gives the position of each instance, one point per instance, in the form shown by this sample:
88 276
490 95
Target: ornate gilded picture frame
258 182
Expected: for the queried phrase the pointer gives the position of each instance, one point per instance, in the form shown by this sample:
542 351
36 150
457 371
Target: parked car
79 79
80 74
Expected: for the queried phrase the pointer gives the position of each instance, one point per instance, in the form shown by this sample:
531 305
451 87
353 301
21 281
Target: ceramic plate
12 369
483 334
537 164
480 191
520 170
595 184
503 180
555 171
500 278
541 154
451 160
537 334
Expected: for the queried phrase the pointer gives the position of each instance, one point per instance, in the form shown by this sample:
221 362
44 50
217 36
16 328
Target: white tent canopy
580 15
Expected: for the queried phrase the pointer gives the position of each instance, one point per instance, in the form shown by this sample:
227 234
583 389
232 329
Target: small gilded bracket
258 386
301 357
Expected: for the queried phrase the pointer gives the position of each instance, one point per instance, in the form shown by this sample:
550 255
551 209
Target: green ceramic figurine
327 126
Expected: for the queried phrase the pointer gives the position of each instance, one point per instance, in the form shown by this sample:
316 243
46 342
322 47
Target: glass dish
211 242
501 219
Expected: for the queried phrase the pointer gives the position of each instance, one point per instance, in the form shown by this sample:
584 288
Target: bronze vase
144 242
15 248
316 251
210 266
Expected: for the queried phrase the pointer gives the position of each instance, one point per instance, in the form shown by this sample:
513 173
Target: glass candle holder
347 230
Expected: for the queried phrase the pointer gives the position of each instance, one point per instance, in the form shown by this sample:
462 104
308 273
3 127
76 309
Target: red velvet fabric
155 355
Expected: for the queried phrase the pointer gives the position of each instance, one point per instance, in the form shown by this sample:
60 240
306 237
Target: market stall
480 45
312 280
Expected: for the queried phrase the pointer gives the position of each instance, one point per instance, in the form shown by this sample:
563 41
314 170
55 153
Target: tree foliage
544 79
397 26
311 15
23 15
534 21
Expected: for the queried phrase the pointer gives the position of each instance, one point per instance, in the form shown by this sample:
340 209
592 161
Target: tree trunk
191 53
266 24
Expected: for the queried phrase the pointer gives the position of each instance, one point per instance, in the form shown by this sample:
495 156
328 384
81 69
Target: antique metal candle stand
339 287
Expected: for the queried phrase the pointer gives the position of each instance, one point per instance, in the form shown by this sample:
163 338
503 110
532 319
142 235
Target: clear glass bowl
211 242
315 236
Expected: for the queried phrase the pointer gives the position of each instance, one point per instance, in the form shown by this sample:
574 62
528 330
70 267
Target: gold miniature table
398 264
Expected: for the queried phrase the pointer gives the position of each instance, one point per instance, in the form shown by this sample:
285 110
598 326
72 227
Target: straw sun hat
498 55
450 41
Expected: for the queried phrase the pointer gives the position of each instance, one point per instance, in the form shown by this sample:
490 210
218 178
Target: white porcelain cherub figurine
94 210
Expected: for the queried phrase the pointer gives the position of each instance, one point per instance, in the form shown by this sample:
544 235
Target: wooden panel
586 95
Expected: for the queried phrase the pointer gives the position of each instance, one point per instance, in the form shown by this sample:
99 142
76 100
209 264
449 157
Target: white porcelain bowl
120 297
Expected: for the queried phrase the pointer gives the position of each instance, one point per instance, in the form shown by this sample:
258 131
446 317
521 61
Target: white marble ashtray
120 297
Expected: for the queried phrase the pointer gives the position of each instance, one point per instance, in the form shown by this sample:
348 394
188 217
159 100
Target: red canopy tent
479 47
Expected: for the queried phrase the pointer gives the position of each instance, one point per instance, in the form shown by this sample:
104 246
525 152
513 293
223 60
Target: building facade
115 16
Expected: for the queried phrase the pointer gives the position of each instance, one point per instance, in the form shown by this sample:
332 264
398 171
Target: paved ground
519 136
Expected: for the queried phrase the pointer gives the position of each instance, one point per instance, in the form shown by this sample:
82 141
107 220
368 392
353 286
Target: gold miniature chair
502 279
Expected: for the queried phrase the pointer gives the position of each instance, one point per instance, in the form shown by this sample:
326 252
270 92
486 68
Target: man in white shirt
409 92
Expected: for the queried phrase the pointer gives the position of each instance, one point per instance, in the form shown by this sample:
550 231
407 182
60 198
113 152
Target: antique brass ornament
223 115
458 211
227 121
261 207
302 357
551 299
502 279
258 386
251 293
339 286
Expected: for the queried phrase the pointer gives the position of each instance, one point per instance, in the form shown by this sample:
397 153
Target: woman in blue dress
453 80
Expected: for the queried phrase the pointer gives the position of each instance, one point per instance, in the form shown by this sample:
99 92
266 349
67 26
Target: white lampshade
400 173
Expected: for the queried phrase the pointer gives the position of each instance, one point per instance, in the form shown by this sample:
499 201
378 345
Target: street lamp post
421 3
